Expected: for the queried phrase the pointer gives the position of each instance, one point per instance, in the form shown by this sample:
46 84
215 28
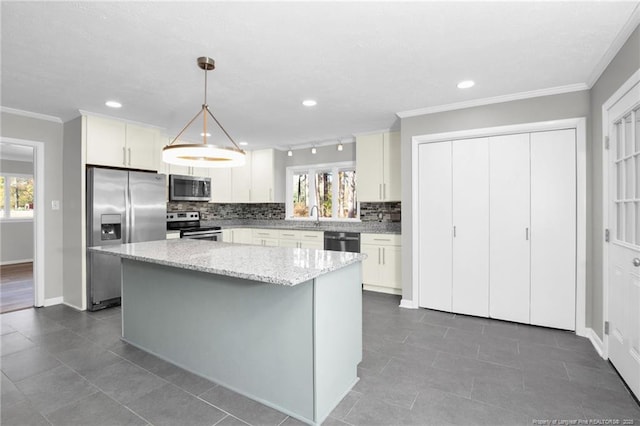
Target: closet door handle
454 231
526 233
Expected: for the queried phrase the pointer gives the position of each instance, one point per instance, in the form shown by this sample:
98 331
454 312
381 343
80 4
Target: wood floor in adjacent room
16 287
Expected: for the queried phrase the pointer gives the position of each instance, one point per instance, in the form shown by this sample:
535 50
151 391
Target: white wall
50 133
16 243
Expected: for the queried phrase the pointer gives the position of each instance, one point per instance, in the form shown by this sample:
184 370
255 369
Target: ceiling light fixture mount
204 154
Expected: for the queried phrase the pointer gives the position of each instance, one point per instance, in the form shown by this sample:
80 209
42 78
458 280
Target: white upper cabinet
220 185
378 167
262 176
119 144
141 147
241 182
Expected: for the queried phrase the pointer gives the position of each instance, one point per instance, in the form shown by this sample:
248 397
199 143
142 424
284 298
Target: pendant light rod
206 64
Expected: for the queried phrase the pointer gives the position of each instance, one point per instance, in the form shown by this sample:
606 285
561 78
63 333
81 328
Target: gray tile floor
420 367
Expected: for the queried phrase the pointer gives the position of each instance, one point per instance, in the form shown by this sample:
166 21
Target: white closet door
553 228
509 225
434 183
470 284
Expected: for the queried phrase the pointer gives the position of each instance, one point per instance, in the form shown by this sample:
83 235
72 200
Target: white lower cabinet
497 227
237 235
301 239
381 268
265 237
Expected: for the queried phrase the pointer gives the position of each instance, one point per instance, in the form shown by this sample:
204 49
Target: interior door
624 250
435 228
470 200
553 229
509 208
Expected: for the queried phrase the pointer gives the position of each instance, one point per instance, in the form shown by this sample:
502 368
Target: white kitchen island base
293 348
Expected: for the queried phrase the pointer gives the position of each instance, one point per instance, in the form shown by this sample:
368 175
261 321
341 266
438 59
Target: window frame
311 170
7 197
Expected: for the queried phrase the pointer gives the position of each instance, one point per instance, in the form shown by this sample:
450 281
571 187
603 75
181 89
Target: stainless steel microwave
189 188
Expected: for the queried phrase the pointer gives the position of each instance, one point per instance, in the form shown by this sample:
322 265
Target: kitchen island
282 326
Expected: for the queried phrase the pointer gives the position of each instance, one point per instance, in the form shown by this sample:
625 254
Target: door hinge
606 328
606 142
606 235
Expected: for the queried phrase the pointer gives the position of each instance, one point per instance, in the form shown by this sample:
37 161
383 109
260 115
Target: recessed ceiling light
465 84
243 143
309 102
113 104
205 134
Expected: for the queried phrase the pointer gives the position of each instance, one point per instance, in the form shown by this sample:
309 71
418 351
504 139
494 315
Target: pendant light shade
204 154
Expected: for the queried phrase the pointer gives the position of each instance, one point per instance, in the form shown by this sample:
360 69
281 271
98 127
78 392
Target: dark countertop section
366 227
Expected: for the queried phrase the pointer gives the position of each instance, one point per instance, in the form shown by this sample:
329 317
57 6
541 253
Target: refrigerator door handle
128 214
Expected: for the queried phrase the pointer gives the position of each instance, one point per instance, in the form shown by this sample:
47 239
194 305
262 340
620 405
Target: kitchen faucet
317 214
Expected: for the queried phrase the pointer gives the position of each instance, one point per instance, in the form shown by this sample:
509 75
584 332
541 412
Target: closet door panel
553 228
434 184
471 226
509 228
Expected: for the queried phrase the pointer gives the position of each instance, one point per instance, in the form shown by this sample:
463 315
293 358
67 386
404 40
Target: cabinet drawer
381 239
312 236
288 234
265 233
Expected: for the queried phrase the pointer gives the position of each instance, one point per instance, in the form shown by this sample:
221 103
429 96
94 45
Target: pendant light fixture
203 154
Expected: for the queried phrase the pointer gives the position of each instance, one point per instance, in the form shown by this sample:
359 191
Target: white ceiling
362 61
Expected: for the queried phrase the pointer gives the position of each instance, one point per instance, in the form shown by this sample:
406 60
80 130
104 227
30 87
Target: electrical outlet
55 205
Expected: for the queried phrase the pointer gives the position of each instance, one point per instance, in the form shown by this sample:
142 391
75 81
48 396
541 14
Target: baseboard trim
53 301
72 306
408 304
596 342
15 262
381 289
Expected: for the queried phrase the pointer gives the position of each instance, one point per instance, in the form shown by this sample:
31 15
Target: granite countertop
308 225
274 265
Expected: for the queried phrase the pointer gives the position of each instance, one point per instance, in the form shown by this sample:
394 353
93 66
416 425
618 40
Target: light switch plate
55 205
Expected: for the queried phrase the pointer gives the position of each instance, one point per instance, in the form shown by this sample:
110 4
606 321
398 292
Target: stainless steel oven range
188 223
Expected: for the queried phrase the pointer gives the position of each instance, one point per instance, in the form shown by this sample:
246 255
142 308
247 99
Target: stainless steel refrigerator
122 207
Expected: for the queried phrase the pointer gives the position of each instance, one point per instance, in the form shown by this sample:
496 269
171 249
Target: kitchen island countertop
274 265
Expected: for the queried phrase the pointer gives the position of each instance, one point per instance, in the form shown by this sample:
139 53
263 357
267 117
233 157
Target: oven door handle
196 233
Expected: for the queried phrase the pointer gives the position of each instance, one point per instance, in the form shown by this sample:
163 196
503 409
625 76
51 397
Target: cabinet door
288 243
199 171
434 227
553 228
369 158
227 235
318 245
106 142
390 268
371 265
141 147
243 236
262 176
220 185
241 182
179 170
509 224
391 190
470 281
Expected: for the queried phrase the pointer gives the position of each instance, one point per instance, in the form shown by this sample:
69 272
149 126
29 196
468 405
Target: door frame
617 95
38 216
577 123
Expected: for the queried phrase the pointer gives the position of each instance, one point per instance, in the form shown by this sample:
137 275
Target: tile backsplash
369 212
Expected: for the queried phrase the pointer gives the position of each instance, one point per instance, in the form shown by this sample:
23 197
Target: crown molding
614 48
124 120
495 100
30 114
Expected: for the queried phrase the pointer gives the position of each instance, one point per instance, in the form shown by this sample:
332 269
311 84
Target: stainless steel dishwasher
342 241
